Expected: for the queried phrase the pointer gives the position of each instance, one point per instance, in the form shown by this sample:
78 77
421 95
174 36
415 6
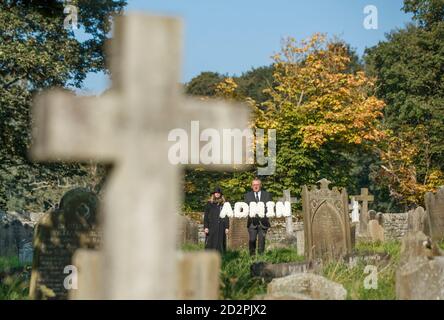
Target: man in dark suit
257 227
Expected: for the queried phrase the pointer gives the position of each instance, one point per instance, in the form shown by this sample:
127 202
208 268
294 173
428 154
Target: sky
234 36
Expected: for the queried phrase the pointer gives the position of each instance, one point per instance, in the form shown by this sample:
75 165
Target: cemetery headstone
311 285
420 273
123 127
59 233
435 214
238 234
326 221
300 241
417 220
188 231
375 231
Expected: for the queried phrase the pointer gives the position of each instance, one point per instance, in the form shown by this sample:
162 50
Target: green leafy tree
409 67
37 52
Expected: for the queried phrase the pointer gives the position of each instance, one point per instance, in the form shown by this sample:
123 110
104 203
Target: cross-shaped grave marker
364 218
129 127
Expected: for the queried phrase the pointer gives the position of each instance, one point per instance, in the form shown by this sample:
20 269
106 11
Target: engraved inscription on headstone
435 214
326 222
58 235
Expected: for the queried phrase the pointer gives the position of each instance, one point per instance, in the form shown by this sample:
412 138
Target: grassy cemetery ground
14 279
236 280
237 283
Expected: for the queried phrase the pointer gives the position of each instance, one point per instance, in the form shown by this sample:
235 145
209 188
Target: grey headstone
57 236
326 222
435 213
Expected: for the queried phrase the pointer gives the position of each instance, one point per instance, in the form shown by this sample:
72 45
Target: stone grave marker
237 234
375 231
417 220
326 222
188 231
59 233
130 127
435 214
420 272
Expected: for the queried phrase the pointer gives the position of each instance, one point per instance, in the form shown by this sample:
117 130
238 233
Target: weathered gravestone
58 235
420 274
375 231
238 234
326 222
417 220
435 214
130 126
188 231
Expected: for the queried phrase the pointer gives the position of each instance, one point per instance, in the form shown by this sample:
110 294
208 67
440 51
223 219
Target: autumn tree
409 68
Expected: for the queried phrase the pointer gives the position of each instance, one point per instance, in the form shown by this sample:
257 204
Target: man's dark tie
257 197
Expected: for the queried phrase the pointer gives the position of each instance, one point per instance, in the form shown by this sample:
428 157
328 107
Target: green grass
352 278
236 280
235 277
14 279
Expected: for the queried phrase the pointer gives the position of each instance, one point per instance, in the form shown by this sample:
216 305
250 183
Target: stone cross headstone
129 127
364 218
435 214
59 233
326 222
288 220
237 234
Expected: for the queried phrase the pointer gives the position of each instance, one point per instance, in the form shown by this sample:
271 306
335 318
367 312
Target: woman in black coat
216 228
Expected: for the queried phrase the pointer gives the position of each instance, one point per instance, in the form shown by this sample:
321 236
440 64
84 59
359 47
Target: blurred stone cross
129 127
364 218
288 220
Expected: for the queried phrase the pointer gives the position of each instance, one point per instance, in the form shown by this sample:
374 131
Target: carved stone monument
326 221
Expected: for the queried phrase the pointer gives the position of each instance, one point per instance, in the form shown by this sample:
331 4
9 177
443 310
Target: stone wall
395 225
